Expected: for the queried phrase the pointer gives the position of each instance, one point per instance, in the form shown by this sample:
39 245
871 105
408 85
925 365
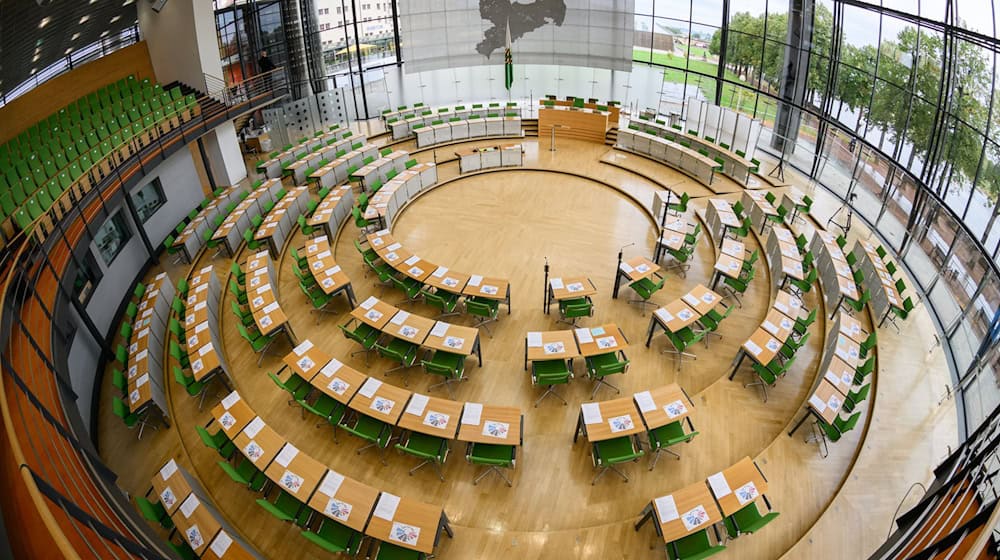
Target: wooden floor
569 207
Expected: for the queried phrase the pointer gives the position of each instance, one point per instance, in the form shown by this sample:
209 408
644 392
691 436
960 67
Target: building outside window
148 199
111 237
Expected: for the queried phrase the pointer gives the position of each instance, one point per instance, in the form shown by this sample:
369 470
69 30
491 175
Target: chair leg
447 383
366 352
402 369
597 385
381 454
550 391
735 295
656 456
762 385
429 462
818 435
484 323
487 471
606 469
642 304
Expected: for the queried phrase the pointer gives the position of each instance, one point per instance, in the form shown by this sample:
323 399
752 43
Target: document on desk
666 508
534 340
645 401
583 335
591 413
720 487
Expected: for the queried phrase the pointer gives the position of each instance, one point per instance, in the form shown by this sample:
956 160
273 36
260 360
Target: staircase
209 105
611 136
530 127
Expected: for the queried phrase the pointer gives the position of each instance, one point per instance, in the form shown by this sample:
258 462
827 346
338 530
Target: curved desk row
380 515
878 280
280 223
384 204
230 232
201 329
145 361
673 154
325 270
436 132
198 521
440 277
736 166
784 257
489 157
380 169
262 297
833 270
401 122
192 237
334 141
333 210
342 162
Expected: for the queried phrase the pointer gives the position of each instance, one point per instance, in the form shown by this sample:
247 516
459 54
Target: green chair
432 450
327 408
126 331
445 302
572 309
901 313
306 229
286 507
334 537
193 388
712 320
245 473
610 453
130 419
866 346
864 370
155 512
548 374
802 287
450 366
178 354
363 334
377 433
802 325
681 206
259 343
238 293
492 456
743 230
738 286
238 273
218 441
682 340
602 365
252 244
748 520
387 551
856 397
668 435
411 288
645 288
118 381
696 546
833 432
400 351
485 311
298 389
768 375
890 268
318 299
857 306
681 257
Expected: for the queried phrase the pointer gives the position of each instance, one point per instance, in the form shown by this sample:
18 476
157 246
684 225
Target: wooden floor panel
505 224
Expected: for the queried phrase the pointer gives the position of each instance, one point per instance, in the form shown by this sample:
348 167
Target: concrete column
184 46
794 67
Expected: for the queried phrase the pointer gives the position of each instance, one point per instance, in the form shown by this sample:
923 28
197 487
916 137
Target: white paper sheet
557 283
417 404
302 348
720 487
400 317
584 336
168 470
221 544
386 506
189 505
331 367
664 315
645 401
472 414
817 403
534 339
254 427
440 328
591 413
369 303
666 508
286 455
475 280
370 387
441 271
691 300
331 483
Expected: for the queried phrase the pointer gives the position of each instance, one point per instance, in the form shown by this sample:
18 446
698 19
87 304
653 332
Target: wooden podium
580 124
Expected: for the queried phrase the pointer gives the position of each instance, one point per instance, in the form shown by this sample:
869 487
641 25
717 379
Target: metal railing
62 474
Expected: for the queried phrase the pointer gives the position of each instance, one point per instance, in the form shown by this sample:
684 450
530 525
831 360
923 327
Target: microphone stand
618 270
545 295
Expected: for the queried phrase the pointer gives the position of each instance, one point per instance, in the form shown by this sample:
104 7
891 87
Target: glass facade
897 107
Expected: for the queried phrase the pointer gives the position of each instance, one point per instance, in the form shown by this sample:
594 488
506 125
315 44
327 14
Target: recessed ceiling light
105 33
116 18
84 19
74 37
45 21
36 57
69 50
